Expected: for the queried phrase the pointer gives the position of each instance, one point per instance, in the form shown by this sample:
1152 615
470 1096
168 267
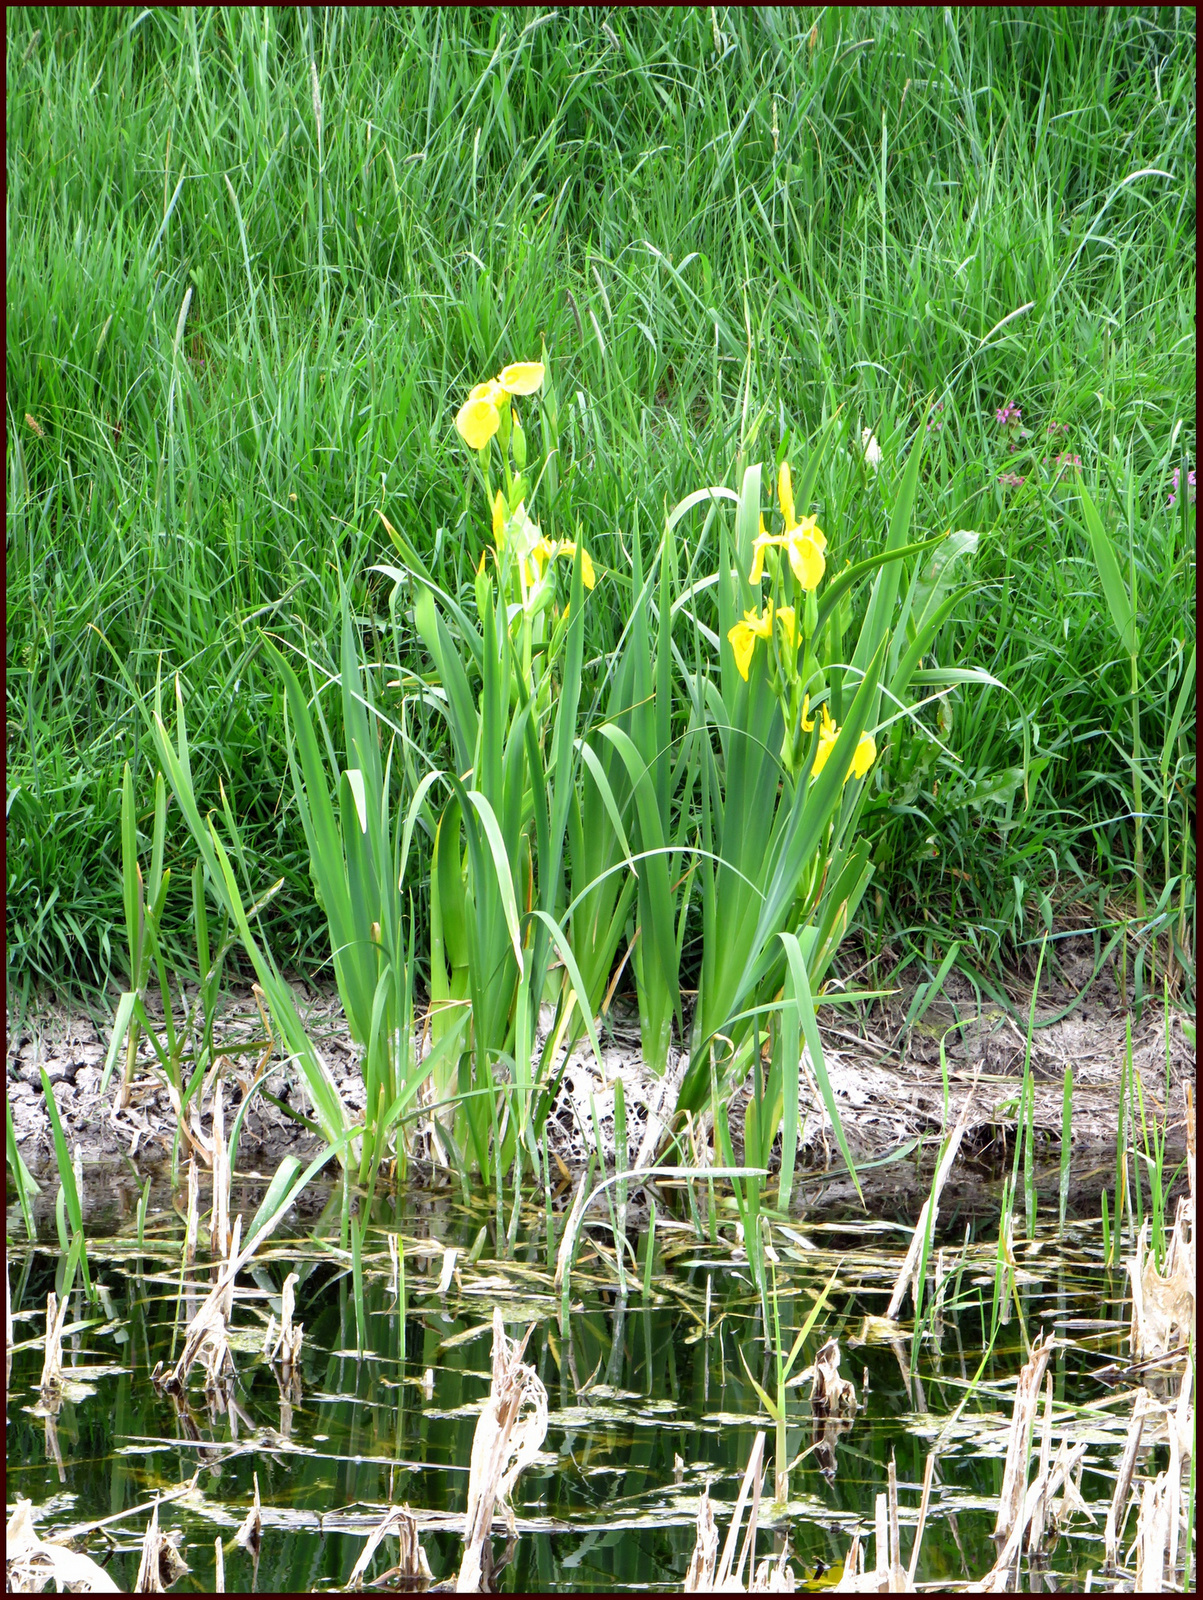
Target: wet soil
888 1084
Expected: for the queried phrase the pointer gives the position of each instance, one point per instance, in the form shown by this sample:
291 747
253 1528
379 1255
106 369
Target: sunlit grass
867 206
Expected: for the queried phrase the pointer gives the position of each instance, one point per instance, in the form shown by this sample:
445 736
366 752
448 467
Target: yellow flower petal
541 553
521 377
477 422
536 559
743 636
490 391
806 560
810 527
807 727
743 642
759 546
588 575
866 755
828 734
499 509
785 494
826 746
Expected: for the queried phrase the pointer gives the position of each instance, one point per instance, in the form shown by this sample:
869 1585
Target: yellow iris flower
828 734
521 377
803 544
743 637
477 422
785 499
540 553
863 756
588 575
543 551
532 549
480 416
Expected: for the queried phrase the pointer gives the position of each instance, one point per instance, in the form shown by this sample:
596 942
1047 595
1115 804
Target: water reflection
649 1401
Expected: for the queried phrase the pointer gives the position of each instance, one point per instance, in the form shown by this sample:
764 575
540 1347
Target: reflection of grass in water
634 1387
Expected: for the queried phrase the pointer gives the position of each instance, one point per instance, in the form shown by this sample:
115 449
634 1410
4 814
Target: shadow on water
650 1401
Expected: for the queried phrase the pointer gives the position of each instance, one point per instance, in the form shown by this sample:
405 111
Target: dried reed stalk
508 1436
32 1562
1015 1471
287 1345
411 1562
1123 1483
707 1574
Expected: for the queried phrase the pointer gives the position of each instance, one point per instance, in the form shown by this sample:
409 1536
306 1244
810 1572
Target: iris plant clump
717 757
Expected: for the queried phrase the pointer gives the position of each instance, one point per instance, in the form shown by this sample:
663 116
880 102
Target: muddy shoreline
888 1084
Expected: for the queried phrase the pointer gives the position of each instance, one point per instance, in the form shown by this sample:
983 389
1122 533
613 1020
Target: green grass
878 205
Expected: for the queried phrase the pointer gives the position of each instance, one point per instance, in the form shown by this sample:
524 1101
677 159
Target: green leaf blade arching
1115 590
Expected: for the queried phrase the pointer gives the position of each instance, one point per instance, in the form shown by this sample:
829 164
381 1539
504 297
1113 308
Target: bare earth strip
889 1089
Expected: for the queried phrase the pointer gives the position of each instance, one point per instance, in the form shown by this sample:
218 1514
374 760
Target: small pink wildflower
1190 487
1008 416
933 423
1066 462
1012 480
1057 427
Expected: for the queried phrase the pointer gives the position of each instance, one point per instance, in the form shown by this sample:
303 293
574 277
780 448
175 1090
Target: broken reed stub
411 1560
52 1364
161 1564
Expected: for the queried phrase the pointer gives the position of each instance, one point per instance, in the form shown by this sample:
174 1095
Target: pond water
650 1399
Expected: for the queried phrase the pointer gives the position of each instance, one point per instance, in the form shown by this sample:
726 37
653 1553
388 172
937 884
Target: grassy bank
255 260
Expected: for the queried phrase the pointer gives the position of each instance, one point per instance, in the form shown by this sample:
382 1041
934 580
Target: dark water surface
649 1401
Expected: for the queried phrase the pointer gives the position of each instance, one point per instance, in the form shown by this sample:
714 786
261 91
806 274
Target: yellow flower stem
791 750
810 619
818 862
503 439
